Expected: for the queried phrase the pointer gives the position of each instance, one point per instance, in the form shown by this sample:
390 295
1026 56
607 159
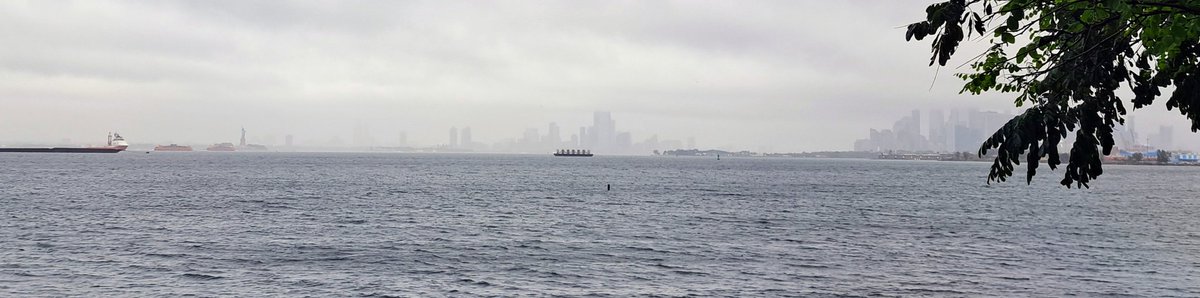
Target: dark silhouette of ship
573 152
115 144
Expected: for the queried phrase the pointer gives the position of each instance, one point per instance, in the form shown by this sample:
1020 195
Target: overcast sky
781 76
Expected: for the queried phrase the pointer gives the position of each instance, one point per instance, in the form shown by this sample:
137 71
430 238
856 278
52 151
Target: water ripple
397 225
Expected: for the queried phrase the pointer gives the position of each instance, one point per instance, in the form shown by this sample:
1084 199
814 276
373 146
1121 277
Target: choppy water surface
245 224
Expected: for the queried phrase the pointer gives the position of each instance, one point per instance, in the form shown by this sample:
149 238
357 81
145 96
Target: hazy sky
782 76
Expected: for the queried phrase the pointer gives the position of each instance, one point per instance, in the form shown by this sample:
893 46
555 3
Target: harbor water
399 225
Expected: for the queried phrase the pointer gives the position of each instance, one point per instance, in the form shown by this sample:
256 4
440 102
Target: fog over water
782 76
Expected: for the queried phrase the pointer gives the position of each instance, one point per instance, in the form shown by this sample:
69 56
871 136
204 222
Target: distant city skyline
601 136
737 76
963 130
966 129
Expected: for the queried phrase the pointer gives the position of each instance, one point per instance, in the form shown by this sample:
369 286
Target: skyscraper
552 135
603 131
975 120
583 138
453 137
242 142
937 132
907 132
956 119
529 141
466 137
967 139
916 122
403 138
1166 137
287 140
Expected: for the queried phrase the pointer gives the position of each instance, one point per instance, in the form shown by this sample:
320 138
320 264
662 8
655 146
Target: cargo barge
573 152
115 144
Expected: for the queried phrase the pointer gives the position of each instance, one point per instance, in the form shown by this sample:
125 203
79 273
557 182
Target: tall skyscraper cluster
466 140
964 131
1127 137
1164 139
459 139
601 137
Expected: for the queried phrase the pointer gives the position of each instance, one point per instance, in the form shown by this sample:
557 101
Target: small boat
573 152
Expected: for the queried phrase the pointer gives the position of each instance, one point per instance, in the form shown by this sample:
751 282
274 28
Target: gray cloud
787 75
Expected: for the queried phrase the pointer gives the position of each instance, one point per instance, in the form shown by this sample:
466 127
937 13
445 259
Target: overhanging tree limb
1078 55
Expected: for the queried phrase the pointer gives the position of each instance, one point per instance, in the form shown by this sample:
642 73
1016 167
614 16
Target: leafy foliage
1068 65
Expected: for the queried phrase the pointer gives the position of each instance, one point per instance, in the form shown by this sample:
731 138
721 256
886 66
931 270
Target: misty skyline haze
781 76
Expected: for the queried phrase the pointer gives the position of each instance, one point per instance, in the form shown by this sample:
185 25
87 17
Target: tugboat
573 152
115 144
